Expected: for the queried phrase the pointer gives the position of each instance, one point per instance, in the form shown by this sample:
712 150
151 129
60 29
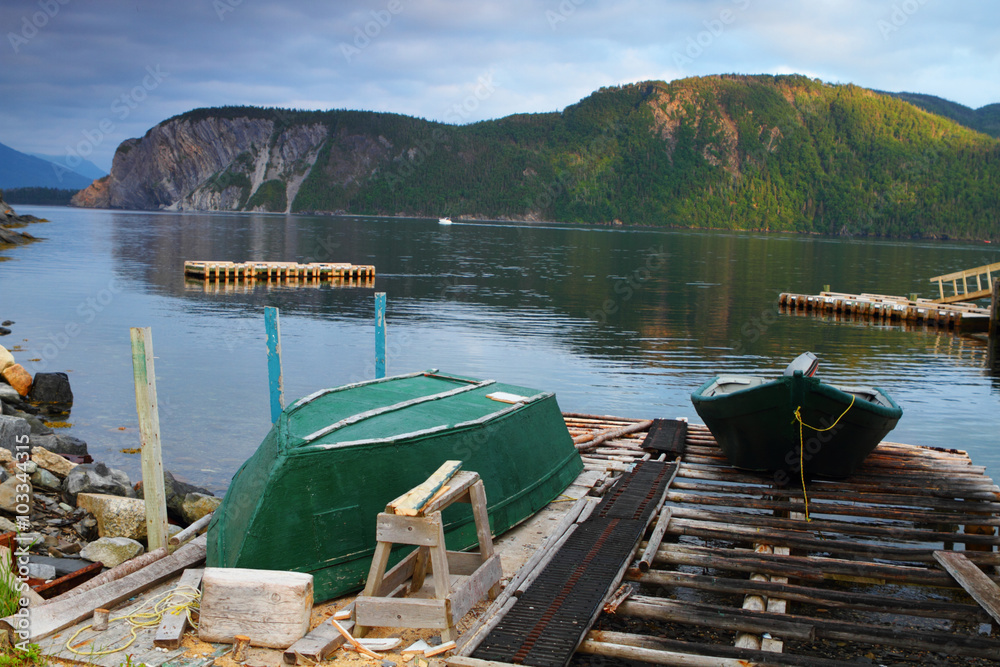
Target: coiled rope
180 600
802 446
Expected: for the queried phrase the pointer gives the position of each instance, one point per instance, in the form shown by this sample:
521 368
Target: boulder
175 492
197 505
116 516
18 378
14 431
55 464
8 394
43 479
67 444
96 478
9 493
112 551
6 358
8 526
52 388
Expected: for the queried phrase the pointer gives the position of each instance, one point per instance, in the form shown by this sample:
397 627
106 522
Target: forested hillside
735 152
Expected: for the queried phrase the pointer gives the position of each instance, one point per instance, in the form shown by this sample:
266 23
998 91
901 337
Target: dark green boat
754 421
308 498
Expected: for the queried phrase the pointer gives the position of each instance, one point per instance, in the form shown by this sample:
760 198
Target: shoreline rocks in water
74 502
10 236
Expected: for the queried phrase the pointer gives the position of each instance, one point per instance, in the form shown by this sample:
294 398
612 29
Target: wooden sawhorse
480 571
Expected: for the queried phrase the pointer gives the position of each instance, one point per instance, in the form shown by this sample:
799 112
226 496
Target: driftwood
590 441
972 579
63 612
191 530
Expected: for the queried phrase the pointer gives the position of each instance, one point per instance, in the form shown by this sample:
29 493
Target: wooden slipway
740 577
884 309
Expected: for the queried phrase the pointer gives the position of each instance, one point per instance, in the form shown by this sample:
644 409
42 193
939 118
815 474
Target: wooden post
149 432
274 381
995 311
100 622
379 334
241 643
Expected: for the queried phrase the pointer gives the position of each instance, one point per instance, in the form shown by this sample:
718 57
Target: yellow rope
802 446
180 600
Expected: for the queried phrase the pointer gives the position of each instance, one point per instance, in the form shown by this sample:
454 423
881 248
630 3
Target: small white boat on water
444 221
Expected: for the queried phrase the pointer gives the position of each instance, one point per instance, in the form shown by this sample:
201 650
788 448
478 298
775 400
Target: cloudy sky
79 76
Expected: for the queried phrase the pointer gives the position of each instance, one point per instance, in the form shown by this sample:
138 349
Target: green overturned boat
757 422
308 498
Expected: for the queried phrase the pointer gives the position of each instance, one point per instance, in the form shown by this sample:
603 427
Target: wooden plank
172 626
410 503
654 656
49 618
275 383
270 607
401 529
154 490
972 579
379 334
407 613
476 587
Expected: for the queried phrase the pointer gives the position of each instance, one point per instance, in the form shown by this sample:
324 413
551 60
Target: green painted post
379 334
274 381
153 485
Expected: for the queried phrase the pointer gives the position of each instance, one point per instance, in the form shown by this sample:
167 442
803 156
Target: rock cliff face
207 164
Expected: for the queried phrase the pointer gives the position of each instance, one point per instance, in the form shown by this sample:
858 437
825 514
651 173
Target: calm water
615 321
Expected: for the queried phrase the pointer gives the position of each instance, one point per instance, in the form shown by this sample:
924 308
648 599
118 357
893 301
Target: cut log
191 530
63 612
270 607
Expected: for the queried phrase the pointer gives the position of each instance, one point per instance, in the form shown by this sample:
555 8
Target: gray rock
14 431
9 394
112 551
4 476
51 388
41 571
86 528
197 505
95 478
67 444
7 526
27 467
62 566
42 478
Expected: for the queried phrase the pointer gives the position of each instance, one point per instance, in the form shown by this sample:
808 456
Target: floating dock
881 308
730 572
315 272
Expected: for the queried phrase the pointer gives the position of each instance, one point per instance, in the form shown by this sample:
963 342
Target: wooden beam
153 485
410 503
275 383
972 579
173 624
56 615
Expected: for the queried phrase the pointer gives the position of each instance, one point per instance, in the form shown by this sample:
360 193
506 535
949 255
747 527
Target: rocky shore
78 511
9 221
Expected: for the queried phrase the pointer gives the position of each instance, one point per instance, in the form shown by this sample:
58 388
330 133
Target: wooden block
173 625
270 607
399 529
405 613
410 503
318 644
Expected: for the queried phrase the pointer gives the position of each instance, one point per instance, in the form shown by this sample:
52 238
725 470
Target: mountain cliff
738 152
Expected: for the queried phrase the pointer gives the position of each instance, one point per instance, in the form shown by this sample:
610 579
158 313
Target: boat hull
757 429
312 507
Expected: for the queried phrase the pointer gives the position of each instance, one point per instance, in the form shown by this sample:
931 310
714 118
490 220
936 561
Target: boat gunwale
354 385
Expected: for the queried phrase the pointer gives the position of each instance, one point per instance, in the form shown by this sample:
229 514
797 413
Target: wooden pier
735 575
881 308
315 272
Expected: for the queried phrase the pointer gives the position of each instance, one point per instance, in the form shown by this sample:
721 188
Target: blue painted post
379 334
274 382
